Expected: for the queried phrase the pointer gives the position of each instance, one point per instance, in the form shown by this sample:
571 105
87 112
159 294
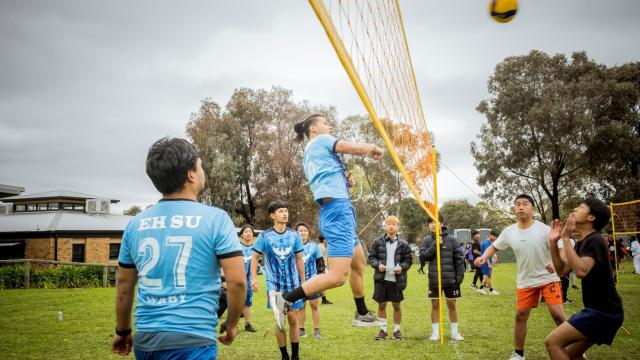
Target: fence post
105 276
27 274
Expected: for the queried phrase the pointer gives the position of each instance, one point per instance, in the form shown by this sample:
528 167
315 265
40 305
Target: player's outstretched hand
229 334
569 227
377 153
121 345
479 261
556 230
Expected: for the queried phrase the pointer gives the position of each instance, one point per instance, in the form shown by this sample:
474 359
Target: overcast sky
87 86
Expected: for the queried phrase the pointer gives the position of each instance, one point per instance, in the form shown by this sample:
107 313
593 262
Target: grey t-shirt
391 260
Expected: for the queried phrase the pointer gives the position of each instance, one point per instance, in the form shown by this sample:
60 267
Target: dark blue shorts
249 300
485 270
337 224
598 327
203 352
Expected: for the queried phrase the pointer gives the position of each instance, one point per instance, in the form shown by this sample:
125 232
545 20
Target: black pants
478 275
222 303
565 286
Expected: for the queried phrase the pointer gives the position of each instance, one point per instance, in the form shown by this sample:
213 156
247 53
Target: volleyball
503 11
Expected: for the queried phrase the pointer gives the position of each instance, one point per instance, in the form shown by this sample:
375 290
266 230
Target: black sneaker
326 302
249 328
382 335
398 335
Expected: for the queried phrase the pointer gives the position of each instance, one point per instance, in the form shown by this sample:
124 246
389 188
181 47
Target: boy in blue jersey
246 235
281 249
330 184
487 267
173 252
313 265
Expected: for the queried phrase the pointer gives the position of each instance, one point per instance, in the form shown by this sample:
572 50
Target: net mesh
626 217
369 39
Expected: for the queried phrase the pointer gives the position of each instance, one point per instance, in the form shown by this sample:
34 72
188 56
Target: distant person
603 314
452 270
487 268
323 247
313 265
174 251
468 257
247 235
635 252
476 251
391 257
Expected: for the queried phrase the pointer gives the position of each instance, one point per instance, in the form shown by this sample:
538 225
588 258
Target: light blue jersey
324 169
279 252
247 255
175 246
310 252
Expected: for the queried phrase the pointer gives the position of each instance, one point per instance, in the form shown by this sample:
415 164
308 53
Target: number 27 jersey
175 247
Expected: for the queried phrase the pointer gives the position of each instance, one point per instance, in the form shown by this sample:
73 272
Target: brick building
60 225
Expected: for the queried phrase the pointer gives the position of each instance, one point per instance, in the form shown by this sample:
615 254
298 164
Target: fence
28 262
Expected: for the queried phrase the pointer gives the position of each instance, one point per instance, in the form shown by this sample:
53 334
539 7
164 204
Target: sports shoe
302 333
473 286
481 292
575 287
326 302
249 328
568 302
434 337
456 336
316 334
280 308
382 335
397 335
515 356
367 319
493 292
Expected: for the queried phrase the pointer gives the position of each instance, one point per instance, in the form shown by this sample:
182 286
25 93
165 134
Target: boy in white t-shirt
536 276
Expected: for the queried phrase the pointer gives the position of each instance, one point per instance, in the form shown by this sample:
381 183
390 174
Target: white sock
454 327
396 327
435 328
383 327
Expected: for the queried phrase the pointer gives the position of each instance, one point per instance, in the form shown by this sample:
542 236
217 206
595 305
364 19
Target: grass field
31 330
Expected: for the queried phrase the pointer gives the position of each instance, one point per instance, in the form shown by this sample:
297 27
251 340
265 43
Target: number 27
179 267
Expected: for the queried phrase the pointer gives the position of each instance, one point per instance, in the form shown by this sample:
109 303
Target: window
31 207
114 251
67 206
78 207
77 253
54 206
42 207
20 208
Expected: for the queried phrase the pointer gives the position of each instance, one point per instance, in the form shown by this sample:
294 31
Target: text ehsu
176 222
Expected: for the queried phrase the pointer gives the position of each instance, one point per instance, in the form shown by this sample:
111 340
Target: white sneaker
280 308
456 336
481 292
434 337
493 292
515 356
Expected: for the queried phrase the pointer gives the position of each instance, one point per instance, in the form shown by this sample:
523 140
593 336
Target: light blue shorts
203 352
338 226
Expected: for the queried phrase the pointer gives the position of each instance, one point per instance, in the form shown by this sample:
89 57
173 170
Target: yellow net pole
349 67
613 233
437 240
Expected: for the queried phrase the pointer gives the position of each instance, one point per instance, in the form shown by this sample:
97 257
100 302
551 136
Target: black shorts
384 291
450 292
596 326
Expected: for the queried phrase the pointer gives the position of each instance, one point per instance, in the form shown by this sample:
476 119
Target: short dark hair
525 196
302 223
275 205
302 128
600 211
494 233
244 227
475 232
168 162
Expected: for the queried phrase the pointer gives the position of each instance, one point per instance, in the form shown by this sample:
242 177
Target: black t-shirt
475 245
598 289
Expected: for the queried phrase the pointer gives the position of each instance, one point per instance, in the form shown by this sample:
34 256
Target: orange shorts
528 298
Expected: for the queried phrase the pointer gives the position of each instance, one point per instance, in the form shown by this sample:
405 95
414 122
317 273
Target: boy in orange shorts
536 276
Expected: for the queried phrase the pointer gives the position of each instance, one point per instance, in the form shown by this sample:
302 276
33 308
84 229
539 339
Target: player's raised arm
348 147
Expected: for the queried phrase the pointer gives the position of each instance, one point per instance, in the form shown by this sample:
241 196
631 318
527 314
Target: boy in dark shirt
603 315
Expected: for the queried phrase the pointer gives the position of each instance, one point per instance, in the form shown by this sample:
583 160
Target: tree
133 211
459 214
413 219
495 217
539 125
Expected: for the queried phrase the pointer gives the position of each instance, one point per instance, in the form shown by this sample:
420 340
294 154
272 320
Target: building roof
10 190
56 194
48 222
